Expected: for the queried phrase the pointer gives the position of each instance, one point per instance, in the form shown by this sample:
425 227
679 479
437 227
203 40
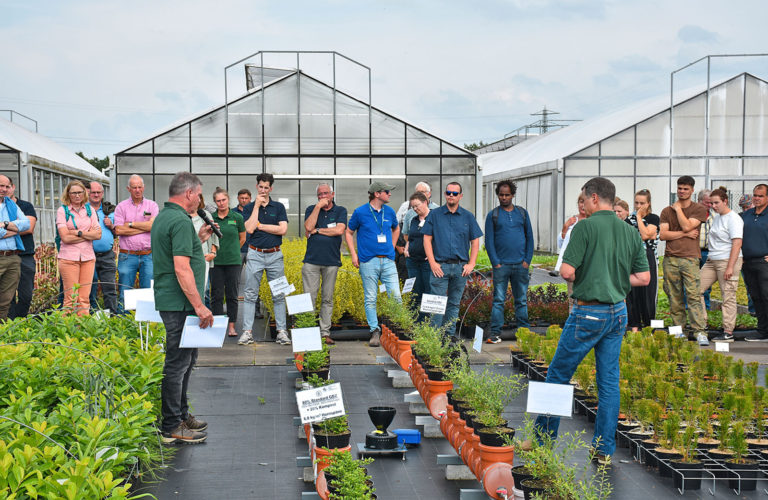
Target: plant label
434 304
382 288
657 323
320 403
306 339
286 202
677 331
145 311
193 336
550 399
722 346
408 285
477 345
280 286
132 295
299 303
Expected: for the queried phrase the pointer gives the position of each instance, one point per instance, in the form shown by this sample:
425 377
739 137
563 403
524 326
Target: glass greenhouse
303 131
717 135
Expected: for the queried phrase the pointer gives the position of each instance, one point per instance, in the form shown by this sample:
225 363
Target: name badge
331 225
147 214
421 224
382 238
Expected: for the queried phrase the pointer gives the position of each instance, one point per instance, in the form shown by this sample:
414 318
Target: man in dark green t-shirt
604 259
179 271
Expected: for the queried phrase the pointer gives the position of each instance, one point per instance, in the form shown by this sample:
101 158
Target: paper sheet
550 399
135 294
145 311
320 403
306 339
433 303
193 336
299 303
657 323
676 331
280 286
722 346
477 345
408 285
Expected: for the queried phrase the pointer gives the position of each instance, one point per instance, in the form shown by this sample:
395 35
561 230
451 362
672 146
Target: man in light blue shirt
425 189
105 271
12 222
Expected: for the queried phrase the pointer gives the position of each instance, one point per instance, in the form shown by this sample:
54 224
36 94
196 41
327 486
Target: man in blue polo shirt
377 231
755 251
450 233
324 223
105 270
267 222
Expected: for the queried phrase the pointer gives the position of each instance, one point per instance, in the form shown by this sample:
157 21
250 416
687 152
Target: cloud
696 34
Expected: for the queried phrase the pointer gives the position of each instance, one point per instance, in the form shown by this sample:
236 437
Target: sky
99 76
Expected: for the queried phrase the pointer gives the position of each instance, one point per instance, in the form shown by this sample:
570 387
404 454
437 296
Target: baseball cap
745 200
377 186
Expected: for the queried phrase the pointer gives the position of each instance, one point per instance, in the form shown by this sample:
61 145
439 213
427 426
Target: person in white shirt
724 261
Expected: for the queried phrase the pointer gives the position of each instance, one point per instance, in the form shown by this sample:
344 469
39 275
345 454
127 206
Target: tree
474 146
100 163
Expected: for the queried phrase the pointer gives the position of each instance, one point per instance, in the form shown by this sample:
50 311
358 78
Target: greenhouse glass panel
208 133
433 181
576 167
168 164
136 164
38 197
687 166
282 166
210 183
352 193
143 148
653 136
388 134
625 189
287 192
609 168
544 210
572 190
726 167
419 143
756 119
756 167
281 125
726 104
689 127
351 126
646 166
251 166
621 144
387 166
593 150
163 183
316 166
9 162
238 182
316 108
48 190
209 165
531 193
449 149
175 141
423 166
457 165
245 124
660 191
355 166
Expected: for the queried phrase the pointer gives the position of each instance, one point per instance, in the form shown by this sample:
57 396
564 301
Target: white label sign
382 288
135 294
306 339
193 336
280 286
145 311
657 323
721 346
550 399
286 202
433 303
408 285
320 403
677 331
299 303
477 345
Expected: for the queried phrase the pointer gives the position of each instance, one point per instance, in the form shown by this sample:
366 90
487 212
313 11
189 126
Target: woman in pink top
77 230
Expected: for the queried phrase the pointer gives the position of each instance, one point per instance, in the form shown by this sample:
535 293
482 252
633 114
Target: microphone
201 213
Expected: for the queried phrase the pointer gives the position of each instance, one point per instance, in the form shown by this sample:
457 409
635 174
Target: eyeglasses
77 193
452 193
96 192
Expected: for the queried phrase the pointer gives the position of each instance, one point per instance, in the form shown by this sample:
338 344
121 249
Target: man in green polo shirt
604 259
179 265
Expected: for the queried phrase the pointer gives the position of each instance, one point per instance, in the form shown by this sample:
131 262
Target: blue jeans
518 277
258 263
127 267
601 327
371 272
451 284
420 270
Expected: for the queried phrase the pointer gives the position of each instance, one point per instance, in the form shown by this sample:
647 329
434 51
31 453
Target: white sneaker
282 338
246 338
702 339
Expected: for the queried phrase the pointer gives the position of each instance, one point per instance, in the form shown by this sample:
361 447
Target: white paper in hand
299 303
145 311
306 339
550 399
132 295
657 323
433 303
477 345
193 336
408 285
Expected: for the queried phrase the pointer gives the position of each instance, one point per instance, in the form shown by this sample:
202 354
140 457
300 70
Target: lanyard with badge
381 238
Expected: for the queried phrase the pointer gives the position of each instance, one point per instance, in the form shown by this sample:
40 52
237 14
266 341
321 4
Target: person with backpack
77 227
509 243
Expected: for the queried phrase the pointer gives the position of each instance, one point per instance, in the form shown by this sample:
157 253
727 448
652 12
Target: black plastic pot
520 474
720 459
687 475
532 486
635 439
622 428
435 375
747 472
663 457
331 441
323 374
490 437
647 457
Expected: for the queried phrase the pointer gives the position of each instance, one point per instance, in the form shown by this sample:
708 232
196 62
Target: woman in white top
211 245
724 261
564 236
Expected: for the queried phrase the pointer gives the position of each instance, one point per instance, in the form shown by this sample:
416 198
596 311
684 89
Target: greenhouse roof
563 142
45 152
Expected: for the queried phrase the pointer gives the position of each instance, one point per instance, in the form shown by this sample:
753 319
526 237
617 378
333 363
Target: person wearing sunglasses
451 242
377 231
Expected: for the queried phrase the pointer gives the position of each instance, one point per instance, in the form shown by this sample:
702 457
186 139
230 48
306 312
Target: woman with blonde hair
77 226
641 301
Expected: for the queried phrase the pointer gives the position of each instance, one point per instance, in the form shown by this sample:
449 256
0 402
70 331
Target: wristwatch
130 224
79 234
5 223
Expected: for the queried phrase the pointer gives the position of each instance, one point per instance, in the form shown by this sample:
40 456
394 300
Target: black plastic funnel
381 416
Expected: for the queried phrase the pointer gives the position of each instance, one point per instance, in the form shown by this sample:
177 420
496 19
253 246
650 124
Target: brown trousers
10 271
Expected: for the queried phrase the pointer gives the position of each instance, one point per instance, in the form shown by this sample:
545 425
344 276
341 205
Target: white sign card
145 311
550 399
721 346
382 288
320 403
677 331
286 202
477 345
299 303
280 286
433 303
657 323
306 339
151 283
102 314
408 285
193 336
135 294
